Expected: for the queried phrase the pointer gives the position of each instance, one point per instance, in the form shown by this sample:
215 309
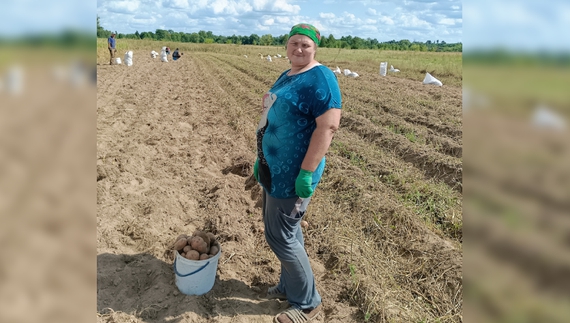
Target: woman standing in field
301 113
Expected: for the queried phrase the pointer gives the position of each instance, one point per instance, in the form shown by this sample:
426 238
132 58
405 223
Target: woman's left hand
304 184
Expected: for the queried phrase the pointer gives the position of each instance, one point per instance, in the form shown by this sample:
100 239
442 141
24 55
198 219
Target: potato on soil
204 256
180 244
193 255
214 250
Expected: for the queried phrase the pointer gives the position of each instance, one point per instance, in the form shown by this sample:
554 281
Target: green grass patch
408 133
435 203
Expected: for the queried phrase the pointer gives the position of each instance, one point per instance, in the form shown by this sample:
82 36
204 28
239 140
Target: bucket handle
192 273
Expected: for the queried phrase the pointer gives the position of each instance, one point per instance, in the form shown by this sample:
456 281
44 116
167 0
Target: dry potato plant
175 152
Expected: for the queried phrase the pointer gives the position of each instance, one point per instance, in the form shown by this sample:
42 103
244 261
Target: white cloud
327 15
283 5
283 20
348 18
386 20
369 29
176 4
410 20
449 21
261 27
195 6
230 7
220 6
144 21
268 22
128 6
218 21
259 4
371 12
275 6
178 15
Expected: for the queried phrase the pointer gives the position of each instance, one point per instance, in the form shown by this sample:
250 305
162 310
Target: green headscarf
307 30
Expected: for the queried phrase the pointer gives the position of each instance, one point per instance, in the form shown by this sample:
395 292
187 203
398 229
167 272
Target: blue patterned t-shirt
290 109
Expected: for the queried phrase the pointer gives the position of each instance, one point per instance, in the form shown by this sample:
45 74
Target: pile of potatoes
200 246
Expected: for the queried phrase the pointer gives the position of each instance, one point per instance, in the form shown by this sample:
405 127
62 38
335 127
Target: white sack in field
269 58
352 74
431 80
153 54
383 68
545 118
163 56
129 58
15 80
346 72
392 69
337 70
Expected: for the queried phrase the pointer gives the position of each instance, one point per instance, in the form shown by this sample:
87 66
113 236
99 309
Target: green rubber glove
303 184
256 170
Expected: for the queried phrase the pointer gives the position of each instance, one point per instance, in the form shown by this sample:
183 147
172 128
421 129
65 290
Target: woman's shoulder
324 70
326 79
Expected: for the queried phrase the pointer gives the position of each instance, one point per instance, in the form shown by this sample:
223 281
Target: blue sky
528 25
22 17
419 20
523 25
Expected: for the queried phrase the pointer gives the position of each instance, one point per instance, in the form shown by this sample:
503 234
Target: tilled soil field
175 152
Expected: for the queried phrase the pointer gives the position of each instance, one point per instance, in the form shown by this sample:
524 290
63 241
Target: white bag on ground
431 80
163 56
15 80
544 117
117 61
346 72
392 69
383 68
153 54
129 58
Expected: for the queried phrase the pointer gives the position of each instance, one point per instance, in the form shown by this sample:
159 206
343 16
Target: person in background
300 115
111 43
176 54
167 51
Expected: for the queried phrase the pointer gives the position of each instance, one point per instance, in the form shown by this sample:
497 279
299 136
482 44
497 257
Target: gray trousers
282 218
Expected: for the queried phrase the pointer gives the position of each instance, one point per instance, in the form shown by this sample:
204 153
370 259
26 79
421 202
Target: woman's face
301 50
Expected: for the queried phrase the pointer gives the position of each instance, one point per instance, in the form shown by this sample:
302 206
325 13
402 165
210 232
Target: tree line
350 42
